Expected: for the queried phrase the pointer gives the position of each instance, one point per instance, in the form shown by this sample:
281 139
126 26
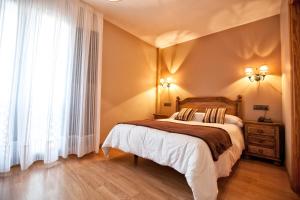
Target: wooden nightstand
160 116
265 140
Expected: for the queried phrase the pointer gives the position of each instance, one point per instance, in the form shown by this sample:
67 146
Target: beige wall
286 81
128 78
209 66
214 66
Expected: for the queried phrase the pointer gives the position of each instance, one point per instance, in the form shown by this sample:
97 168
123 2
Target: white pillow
231 119
199 116
174 115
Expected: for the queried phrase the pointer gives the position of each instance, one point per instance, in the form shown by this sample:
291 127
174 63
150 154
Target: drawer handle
260 151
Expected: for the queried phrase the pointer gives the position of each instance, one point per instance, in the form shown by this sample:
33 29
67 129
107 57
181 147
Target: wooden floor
94 177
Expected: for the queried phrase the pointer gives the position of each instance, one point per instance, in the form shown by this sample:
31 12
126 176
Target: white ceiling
164 23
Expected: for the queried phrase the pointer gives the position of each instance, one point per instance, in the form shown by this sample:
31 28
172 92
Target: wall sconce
165 83
255 74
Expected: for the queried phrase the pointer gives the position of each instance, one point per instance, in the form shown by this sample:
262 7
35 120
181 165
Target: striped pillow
214 115
186 114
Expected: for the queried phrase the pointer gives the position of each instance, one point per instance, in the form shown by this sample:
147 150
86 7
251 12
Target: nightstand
265 140
160 116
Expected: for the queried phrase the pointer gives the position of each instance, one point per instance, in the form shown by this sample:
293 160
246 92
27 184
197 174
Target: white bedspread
186 154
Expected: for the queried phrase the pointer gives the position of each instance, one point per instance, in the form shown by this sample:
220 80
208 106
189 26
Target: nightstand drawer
265 141
261 130
261 151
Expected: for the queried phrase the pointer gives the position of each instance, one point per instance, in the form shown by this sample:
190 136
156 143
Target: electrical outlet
260 107
167 104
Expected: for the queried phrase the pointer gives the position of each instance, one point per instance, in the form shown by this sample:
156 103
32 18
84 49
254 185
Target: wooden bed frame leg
135 160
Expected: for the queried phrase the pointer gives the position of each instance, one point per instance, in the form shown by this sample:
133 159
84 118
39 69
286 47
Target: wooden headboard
201 103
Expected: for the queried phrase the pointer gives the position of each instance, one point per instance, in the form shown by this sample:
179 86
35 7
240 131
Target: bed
188 155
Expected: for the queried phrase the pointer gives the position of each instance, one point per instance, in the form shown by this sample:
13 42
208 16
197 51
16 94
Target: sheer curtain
50 70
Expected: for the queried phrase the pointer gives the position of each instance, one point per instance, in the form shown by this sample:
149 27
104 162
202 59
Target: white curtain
50 70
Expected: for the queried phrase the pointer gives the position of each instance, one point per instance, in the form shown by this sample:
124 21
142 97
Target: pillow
231 119
220 119
174 115
214 115
199 116
186 114
210 113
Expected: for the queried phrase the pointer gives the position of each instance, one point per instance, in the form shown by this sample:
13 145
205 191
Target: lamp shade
249 71
169 80
264 69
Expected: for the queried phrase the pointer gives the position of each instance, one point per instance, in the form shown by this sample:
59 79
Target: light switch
260 107
167 104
